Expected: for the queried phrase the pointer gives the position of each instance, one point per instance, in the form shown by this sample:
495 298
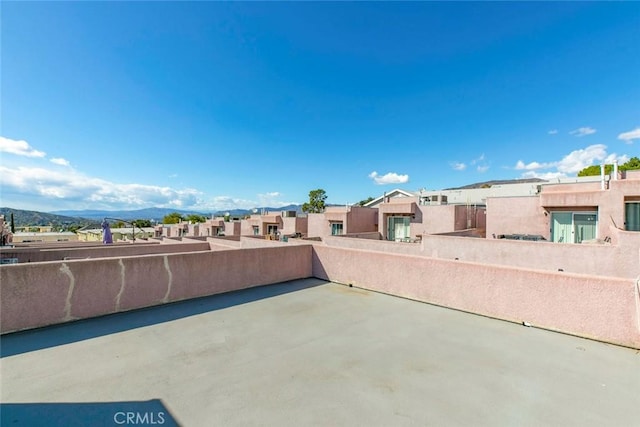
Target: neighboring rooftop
310 352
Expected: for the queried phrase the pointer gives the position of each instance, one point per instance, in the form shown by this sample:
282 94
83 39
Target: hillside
487 184
25 218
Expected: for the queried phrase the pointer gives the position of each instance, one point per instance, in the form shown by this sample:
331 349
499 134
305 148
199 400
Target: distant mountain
25 218
157 214
148 213
488 184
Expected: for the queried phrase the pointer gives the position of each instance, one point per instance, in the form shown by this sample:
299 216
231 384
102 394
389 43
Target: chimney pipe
602 176
615 170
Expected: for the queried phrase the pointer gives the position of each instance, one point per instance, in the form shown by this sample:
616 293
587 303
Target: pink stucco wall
317 226
621 260
291 225
601 308
355 219
361 220
103 251
516 215
232 228
39 294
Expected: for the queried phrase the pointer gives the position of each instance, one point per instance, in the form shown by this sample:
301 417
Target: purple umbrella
107 238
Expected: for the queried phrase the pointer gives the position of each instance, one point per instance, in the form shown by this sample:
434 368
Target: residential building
273 224
343 220
571 211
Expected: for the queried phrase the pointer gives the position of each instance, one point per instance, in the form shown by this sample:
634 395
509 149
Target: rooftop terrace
311 352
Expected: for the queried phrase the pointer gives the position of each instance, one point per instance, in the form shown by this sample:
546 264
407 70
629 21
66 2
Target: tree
316 201
594 170
365 201
632 164
142 223
195 218
172 218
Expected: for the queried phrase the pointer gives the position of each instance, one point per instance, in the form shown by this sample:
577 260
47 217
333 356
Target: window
272 229
632 216
256 230
573 227
398 228
336 228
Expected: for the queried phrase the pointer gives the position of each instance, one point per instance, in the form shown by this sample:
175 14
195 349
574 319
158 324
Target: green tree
365 201
194 218
594 170
172 218
632 164
142 223
316 201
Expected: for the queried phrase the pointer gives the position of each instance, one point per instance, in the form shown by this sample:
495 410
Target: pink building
404 216
343 220
586 210
271 224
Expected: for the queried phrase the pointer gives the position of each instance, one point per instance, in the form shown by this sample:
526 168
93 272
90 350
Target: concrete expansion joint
122 280
637 298
169 281
72 284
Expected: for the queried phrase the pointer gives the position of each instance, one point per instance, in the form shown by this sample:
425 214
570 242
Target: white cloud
389 178
577 160
478 160
628 137
20 148
583 131
173 175
545 175
81 191
553 132
59 161
482 168
572 163
520 165
458 166
613 157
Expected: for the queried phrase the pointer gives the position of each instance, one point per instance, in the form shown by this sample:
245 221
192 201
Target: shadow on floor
66 333
150 412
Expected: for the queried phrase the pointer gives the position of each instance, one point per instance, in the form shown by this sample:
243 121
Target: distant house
343 220
572 210
118 233
274 223
46 237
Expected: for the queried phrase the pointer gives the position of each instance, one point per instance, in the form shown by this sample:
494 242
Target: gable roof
393 193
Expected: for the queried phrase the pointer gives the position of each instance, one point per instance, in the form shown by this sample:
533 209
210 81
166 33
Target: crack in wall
72 284
122 277
170 282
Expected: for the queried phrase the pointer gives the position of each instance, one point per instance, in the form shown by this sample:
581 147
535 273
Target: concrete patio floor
315 353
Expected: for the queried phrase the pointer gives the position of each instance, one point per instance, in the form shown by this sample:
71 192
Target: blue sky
213 106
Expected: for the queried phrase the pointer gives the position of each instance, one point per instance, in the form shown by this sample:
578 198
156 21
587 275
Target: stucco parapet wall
572 199
104 251
628 186
622 261
600 308
397 207
335 216
571 187
41 294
